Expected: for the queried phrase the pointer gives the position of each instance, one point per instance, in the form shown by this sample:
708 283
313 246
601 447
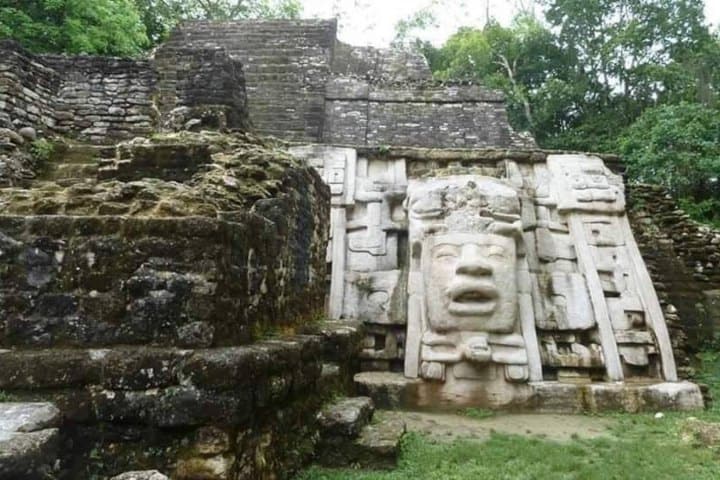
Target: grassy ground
642 447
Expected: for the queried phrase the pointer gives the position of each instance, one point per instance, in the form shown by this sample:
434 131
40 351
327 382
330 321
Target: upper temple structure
258 215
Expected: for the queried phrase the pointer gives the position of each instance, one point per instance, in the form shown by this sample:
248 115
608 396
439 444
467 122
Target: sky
372 22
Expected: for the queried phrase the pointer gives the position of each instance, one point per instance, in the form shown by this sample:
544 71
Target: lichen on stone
243 169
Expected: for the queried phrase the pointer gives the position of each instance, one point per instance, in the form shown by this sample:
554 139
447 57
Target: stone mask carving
471 284
463 234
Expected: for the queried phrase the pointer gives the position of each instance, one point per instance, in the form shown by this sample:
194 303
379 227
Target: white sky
372 22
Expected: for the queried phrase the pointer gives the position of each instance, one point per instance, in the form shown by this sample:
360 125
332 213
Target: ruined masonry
214 242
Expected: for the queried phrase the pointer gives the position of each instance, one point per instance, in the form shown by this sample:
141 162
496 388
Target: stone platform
393 390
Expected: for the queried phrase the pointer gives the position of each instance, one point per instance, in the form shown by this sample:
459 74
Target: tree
629 55
109 27
522 60
161 16
678 146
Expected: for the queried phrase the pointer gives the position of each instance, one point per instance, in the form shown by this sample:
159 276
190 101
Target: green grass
476 413
641 447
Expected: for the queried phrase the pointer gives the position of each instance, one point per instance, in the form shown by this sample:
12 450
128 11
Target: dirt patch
561 428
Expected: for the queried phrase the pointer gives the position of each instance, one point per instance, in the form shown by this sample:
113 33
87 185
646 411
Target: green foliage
637 76
646 451
709 374
161 16
579 82
42 150
108 27
706 211
678 146
119 27
477 413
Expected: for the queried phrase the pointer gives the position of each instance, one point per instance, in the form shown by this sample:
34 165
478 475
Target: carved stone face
471 282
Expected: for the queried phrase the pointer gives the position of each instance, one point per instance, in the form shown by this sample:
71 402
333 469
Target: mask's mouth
472 298
425 213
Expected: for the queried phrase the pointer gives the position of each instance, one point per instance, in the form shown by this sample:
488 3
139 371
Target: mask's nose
473 262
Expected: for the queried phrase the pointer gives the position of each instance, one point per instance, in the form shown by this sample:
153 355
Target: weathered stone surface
141 475
393 391
379 442
376 447
29 440
675 249
28 417
346 417
361 112
29 455
245 237
28 133
100 99
388 390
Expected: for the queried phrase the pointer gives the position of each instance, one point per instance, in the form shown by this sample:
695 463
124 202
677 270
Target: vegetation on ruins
639 77
633 76
119 27
107 27
641 446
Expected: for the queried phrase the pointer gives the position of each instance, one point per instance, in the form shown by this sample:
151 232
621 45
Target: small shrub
41 150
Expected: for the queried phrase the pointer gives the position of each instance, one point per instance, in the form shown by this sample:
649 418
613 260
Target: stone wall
105 99
101 98
304 85
206 81
175 320
363 113
243 412
182 265
684 257
286 64
379 63
27 89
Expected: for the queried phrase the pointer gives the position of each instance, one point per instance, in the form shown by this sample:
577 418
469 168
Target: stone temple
259 218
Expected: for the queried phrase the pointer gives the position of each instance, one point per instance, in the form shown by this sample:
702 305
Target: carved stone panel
374 221
375 297
464 234
584 183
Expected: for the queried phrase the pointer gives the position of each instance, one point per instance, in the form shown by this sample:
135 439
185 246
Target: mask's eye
496 251
445 252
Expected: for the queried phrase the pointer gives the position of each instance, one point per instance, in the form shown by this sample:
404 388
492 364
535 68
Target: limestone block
28 417
634 355
346 417
571 303
374 297
141 475
335 165
604 232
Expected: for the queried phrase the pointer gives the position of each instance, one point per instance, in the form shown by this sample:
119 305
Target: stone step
71 170
83 153
377 445
141 475
345 417
394 391
29 440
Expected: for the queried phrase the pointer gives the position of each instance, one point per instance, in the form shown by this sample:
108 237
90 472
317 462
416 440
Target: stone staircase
74 163
178 342
354 435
